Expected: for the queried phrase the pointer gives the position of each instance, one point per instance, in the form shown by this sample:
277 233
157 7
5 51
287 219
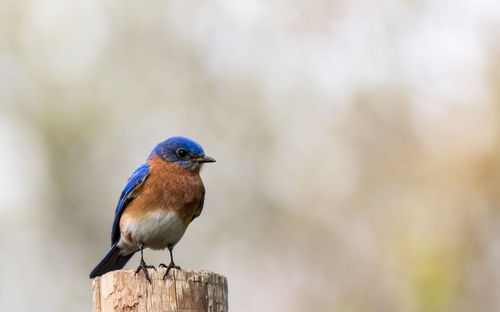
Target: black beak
206 159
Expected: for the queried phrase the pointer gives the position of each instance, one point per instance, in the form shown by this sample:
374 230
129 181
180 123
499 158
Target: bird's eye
182 153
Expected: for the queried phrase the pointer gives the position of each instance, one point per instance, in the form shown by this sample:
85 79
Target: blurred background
356 144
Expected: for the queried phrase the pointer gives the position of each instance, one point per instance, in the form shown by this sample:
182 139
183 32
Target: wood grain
183 290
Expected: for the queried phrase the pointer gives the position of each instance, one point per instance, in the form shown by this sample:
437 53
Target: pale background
356 144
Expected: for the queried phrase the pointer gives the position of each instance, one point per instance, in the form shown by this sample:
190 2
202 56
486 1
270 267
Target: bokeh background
356 144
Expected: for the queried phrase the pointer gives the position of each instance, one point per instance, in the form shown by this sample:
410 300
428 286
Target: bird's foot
144 267
169 267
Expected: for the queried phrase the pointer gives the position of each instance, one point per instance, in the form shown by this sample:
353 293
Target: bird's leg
142 266
171 265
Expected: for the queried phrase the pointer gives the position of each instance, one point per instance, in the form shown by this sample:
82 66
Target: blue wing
130 192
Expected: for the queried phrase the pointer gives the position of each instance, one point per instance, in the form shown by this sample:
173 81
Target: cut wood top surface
182 290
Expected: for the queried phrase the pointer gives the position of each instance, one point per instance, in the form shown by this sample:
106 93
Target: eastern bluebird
160 199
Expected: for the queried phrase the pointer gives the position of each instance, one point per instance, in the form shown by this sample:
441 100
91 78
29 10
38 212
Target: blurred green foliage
356 147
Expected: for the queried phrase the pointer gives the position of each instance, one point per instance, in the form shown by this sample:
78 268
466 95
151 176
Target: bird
160 199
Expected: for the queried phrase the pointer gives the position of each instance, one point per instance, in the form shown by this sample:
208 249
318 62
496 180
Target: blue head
182 151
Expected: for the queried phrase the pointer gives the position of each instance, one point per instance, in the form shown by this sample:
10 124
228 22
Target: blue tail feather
112 261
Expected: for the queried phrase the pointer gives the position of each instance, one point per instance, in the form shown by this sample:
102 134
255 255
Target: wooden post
182 290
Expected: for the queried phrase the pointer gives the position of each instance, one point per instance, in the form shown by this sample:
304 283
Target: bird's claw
142 266
169 267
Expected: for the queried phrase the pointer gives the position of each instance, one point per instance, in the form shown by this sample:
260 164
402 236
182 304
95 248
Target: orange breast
168 187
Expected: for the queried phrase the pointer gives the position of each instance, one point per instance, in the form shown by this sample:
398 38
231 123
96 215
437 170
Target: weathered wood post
182 290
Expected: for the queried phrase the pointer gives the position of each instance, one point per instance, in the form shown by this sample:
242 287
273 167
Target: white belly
158 230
